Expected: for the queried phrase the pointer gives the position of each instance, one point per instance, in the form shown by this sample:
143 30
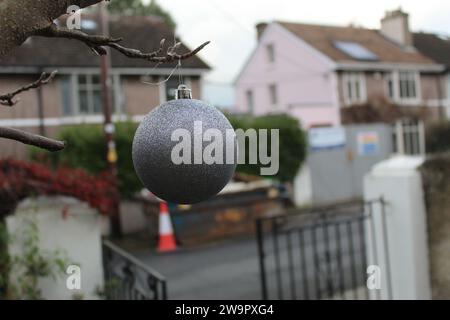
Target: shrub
438 137
86 149
436 186
19 180
292 142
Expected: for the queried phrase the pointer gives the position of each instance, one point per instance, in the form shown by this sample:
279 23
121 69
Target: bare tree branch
98 42
8 99
31 139
21 18
26 137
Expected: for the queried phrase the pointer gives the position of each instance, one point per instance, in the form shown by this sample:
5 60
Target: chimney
260 27
395 26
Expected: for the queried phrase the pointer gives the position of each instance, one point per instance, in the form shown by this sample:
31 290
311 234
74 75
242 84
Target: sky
230 25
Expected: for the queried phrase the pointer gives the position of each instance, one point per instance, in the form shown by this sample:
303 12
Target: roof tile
322 38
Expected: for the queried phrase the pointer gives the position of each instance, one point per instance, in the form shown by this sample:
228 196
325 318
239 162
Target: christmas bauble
177 152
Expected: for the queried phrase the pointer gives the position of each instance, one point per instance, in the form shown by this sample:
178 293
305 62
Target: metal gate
127 278
321 252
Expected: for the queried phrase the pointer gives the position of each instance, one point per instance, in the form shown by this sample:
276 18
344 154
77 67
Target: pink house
312 72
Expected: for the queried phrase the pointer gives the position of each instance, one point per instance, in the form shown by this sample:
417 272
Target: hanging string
180 75
178 66
180 80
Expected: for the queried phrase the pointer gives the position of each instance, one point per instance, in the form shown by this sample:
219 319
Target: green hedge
292 142
438 137
86 149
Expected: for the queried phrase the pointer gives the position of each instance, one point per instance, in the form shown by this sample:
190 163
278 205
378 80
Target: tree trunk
20 19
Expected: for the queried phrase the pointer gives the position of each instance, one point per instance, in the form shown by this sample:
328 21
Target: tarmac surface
230 269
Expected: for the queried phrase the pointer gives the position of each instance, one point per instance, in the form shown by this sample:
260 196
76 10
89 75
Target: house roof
433 46
143 33
323 39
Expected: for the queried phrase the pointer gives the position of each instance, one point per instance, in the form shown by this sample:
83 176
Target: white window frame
353 78
395 76
90 88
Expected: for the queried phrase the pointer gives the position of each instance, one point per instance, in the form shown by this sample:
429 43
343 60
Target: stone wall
436 180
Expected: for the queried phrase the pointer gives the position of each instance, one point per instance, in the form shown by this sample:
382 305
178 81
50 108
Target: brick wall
139 98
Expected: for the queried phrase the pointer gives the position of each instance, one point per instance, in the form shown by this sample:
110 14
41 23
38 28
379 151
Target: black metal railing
127 278
318 253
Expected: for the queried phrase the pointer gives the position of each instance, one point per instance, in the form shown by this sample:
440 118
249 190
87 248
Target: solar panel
355 50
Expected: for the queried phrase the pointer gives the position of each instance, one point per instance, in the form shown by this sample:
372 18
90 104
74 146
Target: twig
23 136
32 139
98 42
8 99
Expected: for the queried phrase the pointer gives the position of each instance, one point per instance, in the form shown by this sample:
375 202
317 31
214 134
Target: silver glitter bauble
153 145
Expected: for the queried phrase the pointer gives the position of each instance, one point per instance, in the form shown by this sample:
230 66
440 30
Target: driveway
227 270
230 270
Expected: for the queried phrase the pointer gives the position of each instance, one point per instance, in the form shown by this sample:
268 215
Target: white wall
303 195
78 234
306 83
398 181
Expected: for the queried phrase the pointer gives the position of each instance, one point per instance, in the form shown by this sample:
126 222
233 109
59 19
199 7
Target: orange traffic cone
166 237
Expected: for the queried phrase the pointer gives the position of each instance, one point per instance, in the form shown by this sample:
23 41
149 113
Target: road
230 270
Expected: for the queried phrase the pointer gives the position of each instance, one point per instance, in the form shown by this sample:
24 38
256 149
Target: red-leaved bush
19 180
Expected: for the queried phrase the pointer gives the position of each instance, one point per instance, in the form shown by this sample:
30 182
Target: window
88 24
273 94
355 50
249 96
171 88
270 52
66 94
407 84
82 94
403 86
390 86
354 88
89 94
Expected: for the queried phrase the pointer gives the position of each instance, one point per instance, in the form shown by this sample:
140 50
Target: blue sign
368 143
326 138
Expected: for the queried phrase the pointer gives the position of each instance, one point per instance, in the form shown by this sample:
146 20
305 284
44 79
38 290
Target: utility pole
111 153
40 100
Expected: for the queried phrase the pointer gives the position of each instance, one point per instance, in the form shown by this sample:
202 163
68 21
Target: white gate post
400 184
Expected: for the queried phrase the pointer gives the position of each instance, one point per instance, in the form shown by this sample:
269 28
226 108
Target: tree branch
8 99
22 136
21 18
98 42
31 139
